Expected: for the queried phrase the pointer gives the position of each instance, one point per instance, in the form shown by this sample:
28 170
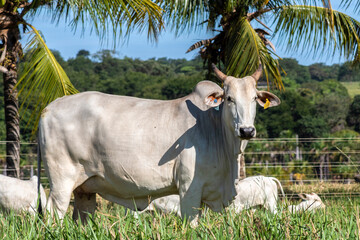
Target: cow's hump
205 88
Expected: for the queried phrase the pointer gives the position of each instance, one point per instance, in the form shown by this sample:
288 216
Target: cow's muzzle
247 132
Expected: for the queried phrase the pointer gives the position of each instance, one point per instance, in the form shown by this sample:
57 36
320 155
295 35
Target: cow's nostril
242 131
252 131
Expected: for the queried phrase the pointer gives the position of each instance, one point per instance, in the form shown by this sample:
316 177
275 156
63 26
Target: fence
294 161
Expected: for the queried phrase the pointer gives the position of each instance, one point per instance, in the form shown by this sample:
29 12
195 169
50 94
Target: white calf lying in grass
257 191
311 202
168 204
251 192
20 195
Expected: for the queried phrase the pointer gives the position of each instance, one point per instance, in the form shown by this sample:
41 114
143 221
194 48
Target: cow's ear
214 99
303 196
267 99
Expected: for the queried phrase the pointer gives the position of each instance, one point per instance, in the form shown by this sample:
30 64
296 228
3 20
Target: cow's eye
230 99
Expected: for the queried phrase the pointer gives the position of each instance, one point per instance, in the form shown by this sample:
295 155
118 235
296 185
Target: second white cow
251 192
20 195
257 191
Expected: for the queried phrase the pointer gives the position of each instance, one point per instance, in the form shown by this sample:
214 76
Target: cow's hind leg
84 204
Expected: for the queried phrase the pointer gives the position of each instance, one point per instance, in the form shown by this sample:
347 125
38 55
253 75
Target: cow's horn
218 73
257 74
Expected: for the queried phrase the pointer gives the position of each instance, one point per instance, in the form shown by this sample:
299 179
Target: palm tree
239 45
42 78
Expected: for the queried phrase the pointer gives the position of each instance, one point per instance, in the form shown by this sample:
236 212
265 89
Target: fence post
322 158
242 170
298 153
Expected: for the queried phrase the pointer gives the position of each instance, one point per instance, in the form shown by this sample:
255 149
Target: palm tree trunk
12 125
11 51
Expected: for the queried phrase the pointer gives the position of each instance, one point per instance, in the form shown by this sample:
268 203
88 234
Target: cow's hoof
194 223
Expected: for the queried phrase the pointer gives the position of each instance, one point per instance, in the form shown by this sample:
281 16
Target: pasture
339 220
353 88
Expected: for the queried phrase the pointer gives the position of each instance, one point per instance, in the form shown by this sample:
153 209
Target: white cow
257 191
167 204
311 202
128 149
251 192
20 195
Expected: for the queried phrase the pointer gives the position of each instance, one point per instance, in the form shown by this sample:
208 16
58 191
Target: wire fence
294 161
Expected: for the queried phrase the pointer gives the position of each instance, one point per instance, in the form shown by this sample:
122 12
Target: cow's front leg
190 187
190 205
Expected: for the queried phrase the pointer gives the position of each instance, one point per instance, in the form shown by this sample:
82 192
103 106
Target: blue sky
60 37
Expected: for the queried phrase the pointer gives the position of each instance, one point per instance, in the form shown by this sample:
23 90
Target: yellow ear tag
267 104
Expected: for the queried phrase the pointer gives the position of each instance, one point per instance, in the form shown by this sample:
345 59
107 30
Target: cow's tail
39 206
280 186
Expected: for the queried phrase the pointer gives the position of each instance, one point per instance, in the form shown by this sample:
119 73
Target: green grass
339 220
352 87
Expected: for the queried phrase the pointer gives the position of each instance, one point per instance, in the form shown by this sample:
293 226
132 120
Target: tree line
314 102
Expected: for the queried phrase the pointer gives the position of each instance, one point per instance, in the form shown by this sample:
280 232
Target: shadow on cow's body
128 149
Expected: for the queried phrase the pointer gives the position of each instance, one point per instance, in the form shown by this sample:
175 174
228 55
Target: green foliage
244 49
42 75
317 30
288 115
107 18
353 117
311 127
349 73
353 88
294 71
179 87
239 46
321 72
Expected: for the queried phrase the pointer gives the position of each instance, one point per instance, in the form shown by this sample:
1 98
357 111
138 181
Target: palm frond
309 28
200 43
327 5
245 49
115 18
354 4
42 79
184 15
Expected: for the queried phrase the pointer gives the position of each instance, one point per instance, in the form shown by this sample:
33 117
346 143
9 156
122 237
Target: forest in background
315 104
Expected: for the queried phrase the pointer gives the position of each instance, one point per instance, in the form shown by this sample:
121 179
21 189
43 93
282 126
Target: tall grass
339 220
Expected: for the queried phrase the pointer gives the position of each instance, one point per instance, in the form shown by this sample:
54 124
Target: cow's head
310 197
239 98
